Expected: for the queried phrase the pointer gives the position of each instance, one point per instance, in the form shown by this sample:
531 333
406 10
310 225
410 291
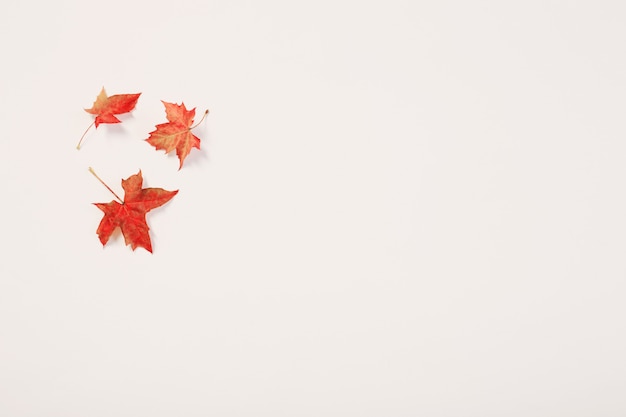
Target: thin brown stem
81 138
103 183
201 120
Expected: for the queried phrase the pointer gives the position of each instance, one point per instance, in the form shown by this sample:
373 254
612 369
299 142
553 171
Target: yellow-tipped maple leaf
105 108
176 133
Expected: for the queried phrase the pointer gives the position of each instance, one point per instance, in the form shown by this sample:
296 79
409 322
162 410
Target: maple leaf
105 108
130 214
176 133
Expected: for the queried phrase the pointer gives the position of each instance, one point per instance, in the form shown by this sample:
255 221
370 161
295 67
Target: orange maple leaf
176 134
130 214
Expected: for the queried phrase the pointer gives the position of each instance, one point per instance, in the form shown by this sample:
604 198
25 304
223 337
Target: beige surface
399 209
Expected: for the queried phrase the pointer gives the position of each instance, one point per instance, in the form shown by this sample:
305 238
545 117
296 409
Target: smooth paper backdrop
400 208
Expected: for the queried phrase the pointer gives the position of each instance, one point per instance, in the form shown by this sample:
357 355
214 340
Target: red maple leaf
176 134
130 214
105 108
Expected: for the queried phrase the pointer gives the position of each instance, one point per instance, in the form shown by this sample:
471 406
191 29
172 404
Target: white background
400 208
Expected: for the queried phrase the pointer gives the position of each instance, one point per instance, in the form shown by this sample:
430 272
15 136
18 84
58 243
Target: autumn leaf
105 108
176 134
130 214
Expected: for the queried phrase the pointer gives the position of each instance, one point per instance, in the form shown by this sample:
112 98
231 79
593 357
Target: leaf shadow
202 155
116 129
196 157
153 217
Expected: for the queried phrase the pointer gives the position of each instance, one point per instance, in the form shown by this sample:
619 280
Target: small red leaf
105 108
130 215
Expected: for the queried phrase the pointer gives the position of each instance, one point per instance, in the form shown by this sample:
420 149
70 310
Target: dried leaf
130 214
105 108
176 133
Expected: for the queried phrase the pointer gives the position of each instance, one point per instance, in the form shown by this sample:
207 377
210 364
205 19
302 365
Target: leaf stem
103 183
201 120
81 138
